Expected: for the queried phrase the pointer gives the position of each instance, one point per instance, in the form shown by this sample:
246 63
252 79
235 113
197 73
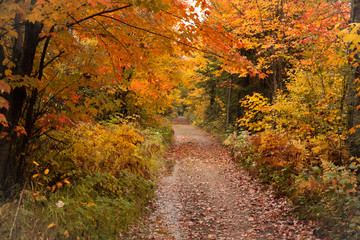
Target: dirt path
209 197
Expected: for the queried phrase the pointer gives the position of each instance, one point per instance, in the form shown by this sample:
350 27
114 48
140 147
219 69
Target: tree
57 56
353 98
275 39
273 35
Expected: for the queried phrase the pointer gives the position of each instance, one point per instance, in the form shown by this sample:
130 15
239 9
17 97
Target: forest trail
208 197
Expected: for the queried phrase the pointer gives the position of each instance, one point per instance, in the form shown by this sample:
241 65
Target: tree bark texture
353 99
21 107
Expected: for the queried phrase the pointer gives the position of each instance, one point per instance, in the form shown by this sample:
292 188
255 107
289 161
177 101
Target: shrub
96 148
325 193
92 182
328 194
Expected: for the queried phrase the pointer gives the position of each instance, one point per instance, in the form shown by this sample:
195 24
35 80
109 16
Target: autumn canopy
286 71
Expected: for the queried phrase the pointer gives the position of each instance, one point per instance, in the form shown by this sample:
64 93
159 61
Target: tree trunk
21 109
353 99
229 102
275 82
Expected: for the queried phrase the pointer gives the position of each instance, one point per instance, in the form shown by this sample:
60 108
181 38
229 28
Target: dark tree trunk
353 99
212 95
229 102
21 108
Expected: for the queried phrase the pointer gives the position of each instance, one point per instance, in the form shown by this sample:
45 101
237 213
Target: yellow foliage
351 36
51 225
257 106
310 111
97 148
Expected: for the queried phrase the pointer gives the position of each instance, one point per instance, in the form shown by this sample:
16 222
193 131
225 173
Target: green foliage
97 206
100 205
214 100
328 194
241 148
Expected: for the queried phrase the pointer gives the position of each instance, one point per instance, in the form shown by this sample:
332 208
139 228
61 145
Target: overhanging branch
97 14
163 36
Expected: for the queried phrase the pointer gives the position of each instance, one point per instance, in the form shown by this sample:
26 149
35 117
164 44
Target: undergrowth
319 190
92 182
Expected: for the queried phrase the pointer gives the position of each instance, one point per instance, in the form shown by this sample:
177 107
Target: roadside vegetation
89 181
293 128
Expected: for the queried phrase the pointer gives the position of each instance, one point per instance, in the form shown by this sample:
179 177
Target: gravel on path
207 196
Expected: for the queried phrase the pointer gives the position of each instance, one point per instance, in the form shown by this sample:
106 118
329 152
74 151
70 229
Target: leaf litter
207 196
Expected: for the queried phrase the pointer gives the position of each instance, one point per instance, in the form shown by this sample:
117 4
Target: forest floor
207 196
